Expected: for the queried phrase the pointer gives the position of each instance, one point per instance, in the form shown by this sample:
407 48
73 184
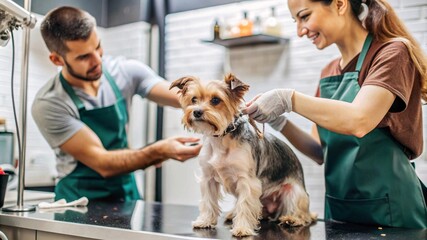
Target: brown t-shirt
389 65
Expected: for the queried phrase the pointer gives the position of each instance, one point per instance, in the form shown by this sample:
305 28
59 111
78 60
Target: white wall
296 65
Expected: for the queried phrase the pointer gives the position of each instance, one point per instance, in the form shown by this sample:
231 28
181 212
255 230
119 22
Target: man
83 111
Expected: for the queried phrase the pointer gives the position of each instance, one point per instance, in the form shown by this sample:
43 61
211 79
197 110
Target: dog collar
231 128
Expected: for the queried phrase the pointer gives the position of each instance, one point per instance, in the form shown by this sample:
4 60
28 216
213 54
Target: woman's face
317 21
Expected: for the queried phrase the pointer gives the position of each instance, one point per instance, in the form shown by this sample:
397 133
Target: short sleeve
55 121
142 76
393 70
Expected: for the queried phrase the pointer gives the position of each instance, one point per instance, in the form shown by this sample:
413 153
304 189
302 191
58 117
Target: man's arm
86 147
161 94
149 84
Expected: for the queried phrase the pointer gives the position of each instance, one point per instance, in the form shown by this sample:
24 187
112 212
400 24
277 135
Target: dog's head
210 107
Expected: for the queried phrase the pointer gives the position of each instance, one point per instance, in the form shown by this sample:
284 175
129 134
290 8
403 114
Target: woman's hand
268 106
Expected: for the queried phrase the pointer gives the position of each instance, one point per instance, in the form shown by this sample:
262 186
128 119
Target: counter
144 220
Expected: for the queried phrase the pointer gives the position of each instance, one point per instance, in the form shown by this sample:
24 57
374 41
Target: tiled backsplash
294 65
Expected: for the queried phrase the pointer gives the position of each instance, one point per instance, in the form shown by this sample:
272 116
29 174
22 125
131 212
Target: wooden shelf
248 40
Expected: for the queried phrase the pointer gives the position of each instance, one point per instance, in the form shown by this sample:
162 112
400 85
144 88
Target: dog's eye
193 100
215 101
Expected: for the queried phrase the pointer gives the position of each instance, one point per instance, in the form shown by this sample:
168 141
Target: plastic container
271 25
245 25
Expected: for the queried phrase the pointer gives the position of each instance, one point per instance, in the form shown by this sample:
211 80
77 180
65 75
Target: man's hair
66 24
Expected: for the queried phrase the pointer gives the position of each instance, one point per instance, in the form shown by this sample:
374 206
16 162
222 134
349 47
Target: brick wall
294 65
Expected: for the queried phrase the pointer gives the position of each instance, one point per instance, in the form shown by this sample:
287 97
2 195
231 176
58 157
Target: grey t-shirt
58 118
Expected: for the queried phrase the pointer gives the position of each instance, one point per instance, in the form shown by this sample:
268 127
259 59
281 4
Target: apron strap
364 51
112 84
79 104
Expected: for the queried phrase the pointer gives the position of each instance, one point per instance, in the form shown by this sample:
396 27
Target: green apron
369 180
109 124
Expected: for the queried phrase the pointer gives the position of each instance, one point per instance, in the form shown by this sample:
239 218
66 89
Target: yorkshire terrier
262 172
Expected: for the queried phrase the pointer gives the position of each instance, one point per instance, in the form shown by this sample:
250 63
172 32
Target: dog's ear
182 83
236 86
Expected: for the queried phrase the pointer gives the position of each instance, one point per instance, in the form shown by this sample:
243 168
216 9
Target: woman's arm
304 142
356 118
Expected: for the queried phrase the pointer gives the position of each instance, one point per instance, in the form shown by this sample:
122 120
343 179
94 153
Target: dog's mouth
192 122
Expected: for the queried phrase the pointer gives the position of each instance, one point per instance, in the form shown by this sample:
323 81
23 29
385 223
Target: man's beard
81 77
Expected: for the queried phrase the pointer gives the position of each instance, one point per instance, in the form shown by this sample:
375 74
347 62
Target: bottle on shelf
257 27
245 25
271 25
216 30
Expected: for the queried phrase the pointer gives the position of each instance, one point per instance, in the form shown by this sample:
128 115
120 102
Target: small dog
262 173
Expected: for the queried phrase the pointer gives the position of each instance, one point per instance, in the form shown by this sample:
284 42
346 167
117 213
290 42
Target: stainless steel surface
23 116
143 220
20 208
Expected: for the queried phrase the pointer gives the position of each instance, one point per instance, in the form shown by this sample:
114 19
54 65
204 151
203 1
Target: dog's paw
291 221
203 224
313 216
242 232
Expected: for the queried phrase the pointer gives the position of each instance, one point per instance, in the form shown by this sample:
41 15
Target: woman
368 111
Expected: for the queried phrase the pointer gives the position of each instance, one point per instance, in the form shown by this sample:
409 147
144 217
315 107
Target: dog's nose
197 113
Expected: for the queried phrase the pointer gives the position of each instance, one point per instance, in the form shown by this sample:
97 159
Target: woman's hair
66 24
383 22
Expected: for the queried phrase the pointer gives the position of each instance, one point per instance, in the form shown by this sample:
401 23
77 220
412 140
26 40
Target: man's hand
86 147
270 105
177 148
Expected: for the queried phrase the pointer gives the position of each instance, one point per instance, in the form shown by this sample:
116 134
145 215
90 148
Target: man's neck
89 87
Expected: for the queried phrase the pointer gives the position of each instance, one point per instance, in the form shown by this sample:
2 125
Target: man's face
84 58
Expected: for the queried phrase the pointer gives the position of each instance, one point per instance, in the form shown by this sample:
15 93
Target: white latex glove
270 105
278 123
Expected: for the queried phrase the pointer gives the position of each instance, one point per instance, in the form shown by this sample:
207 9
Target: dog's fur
263 174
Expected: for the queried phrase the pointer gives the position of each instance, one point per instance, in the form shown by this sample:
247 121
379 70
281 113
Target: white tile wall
296 65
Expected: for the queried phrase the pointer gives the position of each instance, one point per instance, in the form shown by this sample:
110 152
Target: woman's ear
342 6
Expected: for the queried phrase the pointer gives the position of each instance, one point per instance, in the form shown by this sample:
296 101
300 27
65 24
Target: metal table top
139 220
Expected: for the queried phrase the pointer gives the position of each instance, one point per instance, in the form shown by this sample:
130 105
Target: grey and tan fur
263 174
